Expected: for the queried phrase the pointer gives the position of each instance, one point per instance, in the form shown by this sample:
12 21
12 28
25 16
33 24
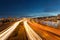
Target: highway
45 32
34 31
7 33
46 28
31 34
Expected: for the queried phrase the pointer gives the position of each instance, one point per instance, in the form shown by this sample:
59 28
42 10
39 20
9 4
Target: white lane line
7 33
32 35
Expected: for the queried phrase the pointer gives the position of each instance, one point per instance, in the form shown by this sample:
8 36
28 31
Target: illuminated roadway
7 33
34 31
46 28
31 34
45 32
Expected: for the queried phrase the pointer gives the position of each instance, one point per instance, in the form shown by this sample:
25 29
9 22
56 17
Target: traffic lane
31 33
44 34
19 33
7 33
46 28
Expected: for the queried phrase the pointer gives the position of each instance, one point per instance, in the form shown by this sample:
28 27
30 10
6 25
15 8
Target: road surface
31 34
45 32
7 33
34 31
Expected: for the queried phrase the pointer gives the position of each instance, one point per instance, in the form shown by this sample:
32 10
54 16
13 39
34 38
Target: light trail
45 34
46 28
30 33
7 33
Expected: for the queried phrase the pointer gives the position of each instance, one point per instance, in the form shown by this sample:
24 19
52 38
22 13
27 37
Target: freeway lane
7 33
19 33
46 28
28 30
30 33
43 33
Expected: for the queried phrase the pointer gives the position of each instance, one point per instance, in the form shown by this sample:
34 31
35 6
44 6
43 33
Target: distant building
58 17
58 20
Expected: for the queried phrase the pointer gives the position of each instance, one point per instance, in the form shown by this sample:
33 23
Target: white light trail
32 35
7 33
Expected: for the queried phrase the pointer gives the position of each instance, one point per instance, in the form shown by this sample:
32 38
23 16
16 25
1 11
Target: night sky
29 8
